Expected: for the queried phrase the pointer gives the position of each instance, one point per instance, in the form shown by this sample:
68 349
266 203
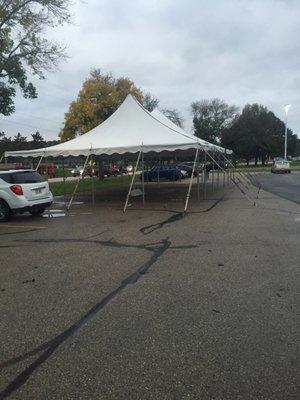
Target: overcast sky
180 50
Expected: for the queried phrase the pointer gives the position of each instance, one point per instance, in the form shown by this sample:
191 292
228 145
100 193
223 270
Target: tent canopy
203 143
130 129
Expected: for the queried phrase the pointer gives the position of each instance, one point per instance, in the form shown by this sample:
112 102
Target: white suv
23 190
281 165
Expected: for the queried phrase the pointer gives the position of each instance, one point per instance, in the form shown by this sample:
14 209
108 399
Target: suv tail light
17 189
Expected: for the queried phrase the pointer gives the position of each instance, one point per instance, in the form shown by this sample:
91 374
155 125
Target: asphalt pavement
283 185
153 304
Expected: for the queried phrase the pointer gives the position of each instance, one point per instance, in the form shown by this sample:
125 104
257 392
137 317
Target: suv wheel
4 211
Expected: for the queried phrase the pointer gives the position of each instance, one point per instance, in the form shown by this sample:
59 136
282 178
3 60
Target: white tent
203 143
130 129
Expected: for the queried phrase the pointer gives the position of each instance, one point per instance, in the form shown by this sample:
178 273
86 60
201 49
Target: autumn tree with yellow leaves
100 96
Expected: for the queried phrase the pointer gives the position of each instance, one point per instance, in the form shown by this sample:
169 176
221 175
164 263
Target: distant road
283 185
69 178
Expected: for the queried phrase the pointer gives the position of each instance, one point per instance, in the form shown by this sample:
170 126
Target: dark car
170 172
188 167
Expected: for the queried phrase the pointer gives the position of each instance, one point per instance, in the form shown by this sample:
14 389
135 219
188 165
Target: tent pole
241 174
218 176
232 180
132 180
205 167
39 163
64 180
198 179
158 171
224 173
143 177
191 181
213 173
77 183
93 190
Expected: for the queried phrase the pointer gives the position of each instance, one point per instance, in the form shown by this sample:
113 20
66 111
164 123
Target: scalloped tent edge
130 129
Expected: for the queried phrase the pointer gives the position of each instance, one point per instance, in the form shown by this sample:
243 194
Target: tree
257 133
174 116
37 141
23 48
150 102
20 142
210 117
37 137
100 96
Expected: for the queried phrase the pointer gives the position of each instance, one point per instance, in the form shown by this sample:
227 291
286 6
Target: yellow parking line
22 226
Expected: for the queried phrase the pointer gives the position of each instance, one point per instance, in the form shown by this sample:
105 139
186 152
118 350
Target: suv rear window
26 177
6 177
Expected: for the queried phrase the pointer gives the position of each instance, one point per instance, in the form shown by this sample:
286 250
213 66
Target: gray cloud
180 51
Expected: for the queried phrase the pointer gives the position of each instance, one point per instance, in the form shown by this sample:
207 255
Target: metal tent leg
198 179
213 173
205 176
64 181
39 163
143 179
191 182
77 183
132 180
218 176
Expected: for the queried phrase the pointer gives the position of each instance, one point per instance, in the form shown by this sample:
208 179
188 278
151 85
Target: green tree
37 137
100 96
37 141
257 133
210 117
23 46
20 142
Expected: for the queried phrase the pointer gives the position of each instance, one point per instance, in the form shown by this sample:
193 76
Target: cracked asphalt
153 304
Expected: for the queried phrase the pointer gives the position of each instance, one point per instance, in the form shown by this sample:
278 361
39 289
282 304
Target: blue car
170 172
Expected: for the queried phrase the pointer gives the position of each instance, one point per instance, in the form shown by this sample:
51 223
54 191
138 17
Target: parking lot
283 185
152 304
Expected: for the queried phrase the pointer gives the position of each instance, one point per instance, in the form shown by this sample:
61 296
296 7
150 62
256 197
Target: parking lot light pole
286 110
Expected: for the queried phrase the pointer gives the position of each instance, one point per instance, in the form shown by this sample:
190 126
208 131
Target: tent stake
77 183
191 182
132 180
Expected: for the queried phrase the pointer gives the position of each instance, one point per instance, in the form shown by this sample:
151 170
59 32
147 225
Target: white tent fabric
129 129
203 143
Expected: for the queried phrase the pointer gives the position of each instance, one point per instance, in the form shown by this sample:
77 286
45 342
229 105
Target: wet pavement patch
54 214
